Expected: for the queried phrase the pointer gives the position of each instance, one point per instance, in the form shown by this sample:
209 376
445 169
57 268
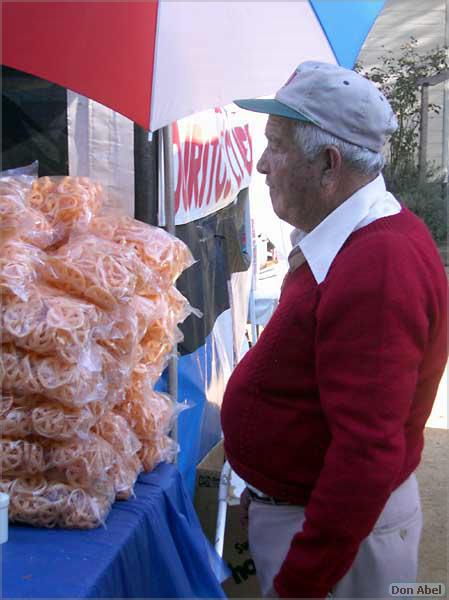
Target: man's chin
277 210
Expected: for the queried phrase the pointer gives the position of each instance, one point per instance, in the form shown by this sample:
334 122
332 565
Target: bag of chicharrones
18 220
161 449
36 501
114 429
20 267
68 203
26 373
163 333
98 270
23 416
80 462
85 463
163 253
50 322
149 413
151 416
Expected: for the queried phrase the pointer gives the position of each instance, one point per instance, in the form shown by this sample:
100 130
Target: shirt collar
322 244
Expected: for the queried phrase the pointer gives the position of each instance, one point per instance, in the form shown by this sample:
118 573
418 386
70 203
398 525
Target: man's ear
331 166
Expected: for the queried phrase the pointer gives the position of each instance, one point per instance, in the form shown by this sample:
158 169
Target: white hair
311 140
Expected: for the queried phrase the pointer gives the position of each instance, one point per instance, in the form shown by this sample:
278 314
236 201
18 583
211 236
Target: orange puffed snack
16 423
148 413
22 416
163 448
103 272
28 373
125 471
165 254
163 333
115 430
20 264
84 463
127 466
19 457
49 322
68 203
19 220
36 501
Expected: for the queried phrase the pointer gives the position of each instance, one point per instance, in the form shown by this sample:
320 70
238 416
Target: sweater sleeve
372 327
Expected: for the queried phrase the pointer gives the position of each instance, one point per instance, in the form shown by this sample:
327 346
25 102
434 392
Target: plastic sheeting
152 547
101 147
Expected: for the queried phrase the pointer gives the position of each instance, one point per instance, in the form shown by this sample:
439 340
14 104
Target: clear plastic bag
103 272
115 430
31 170
17 220
155 451
127 466
16 423
126 471
35 415
68 203
165 254
36 501
148 413
28 373
49 322
86 463
20 265
162 335
18 457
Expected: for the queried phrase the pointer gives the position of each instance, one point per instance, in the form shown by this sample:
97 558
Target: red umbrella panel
103 50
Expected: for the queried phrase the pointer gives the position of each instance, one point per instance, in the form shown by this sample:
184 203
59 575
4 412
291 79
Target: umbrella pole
169 200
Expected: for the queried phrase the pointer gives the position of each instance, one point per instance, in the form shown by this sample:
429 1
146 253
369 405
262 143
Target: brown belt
266 499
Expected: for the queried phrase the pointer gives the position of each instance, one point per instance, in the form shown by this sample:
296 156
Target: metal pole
424 131
446 106
250 242
169 205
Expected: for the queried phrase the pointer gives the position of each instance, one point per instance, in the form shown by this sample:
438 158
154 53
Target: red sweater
327 410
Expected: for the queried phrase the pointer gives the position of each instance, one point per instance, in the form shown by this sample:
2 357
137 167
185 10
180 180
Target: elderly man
324 416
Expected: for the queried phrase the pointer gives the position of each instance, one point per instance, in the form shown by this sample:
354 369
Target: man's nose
262 165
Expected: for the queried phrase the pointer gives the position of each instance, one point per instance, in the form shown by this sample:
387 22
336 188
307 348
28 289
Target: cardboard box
243 581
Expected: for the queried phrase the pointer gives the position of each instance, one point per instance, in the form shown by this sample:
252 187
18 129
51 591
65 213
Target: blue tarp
153 546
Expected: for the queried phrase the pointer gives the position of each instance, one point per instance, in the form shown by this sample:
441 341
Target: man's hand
244 505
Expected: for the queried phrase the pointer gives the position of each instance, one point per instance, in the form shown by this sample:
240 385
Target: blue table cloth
152 546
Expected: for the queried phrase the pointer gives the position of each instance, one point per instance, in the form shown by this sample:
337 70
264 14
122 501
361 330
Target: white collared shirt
322 244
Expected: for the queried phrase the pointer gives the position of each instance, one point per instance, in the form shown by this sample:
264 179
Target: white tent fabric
234 52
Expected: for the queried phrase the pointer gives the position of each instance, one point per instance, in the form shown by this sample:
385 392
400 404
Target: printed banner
212 162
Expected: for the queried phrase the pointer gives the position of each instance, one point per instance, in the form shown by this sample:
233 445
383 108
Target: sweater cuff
289 585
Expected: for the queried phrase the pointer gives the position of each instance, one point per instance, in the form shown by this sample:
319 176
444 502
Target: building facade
428 22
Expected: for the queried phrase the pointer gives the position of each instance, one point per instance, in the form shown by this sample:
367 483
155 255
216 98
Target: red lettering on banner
220 185
243 140
194 169
228 144
211 175
208 171
237 153
186 197
204 172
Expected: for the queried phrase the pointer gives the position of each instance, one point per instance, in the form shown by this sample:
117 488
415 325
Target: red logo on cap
292 76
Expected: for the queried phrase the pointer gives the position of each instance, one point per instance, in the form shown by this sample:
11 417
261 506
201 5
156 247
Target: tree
397 77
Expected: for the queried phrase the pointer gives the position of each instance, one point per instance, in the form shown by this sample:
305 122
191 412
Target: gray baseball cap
338 100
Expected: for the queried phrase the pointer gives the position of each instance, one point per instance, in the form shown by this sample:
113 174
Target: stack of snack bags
89 318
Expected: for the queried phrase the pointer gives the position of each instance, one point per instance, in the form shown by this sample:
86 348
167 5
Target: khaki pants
388 555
